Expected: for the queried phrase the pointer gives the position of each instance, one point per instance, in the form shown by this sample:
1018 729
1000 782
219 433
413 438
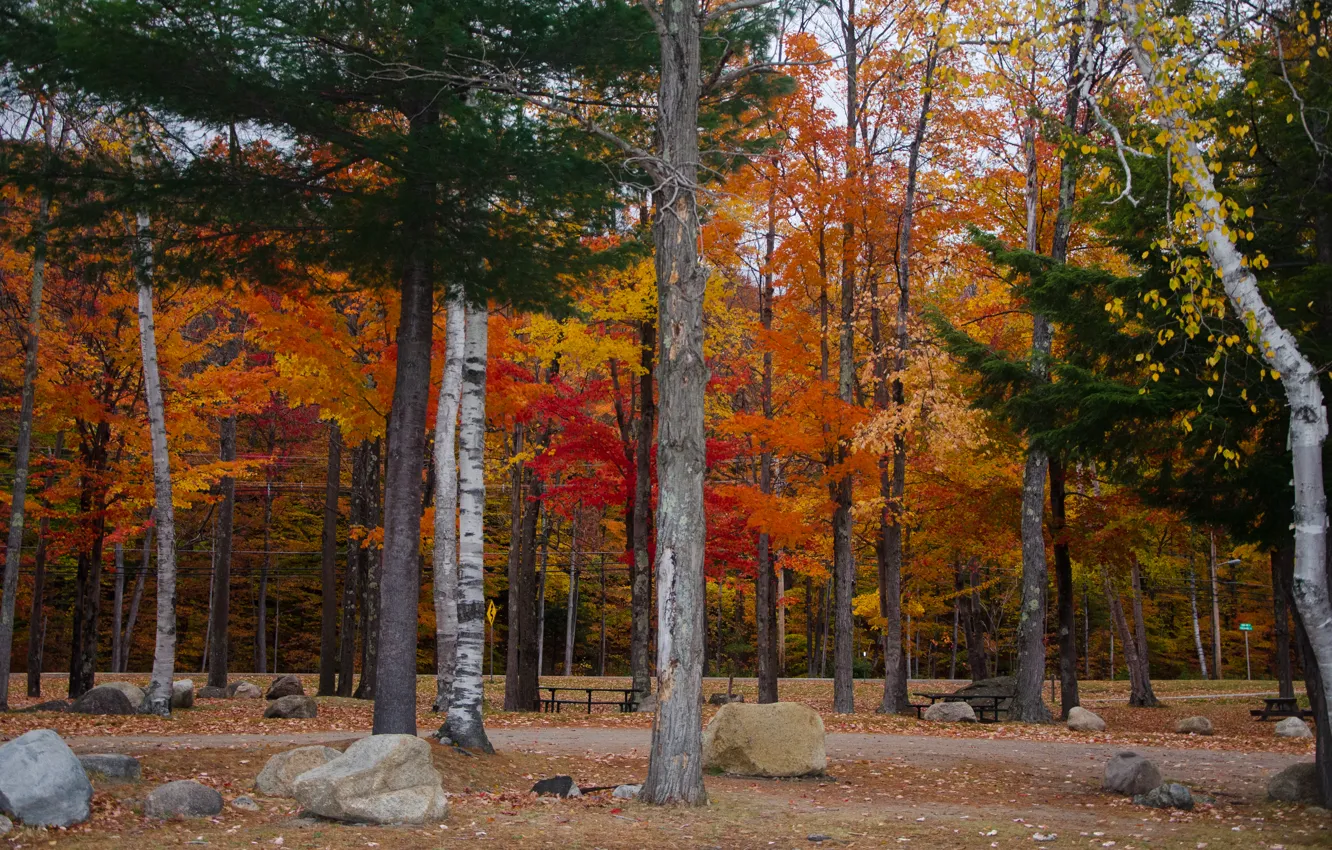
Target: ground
892 782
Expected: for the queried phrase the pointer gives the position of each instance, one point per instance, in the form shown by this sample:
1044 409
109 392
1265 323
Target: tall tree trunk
400 581
328 567
571 609
261 603
675 763
1028 703
14 541
1068 622
640 668
1197 631
88 587
372 567
464 725
1216 607
892 488
145 563
545 520
1140 685
1283 566
445 558
218 653
768 638
357 559
978 661
601 640
520 674
957 611
118 602
158 698
35 616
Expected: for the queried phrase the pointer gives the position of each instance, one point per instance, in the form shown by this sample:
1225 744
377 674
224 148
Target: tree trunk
1068 618
328 567
957 609
117 598
36 635
145 563
217 636
571 608
88 585
978 661
641 591
1283 566
541 595
675 763
521 675
14 541
768 638
1140 684
1216 609
357 560
464 725
601 651
372 565
261 602
1197 631
445 559
158 698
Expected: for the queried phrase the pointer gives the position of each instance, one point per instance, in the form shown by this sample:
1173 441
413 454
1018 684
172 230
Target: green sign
1246 627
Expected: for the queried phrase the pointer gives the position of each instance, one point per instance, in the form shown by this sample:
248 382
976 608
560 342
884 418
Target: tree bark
521 674
544 518
1197 631
1216 608
145 564
261 602
35 633
357 560
978 660
571 608
768 638
1140 684
641 592
117 599
22 450
157 700
464 724
93 441
445 559
1283 566
218 653
372 566
328 567
1068 622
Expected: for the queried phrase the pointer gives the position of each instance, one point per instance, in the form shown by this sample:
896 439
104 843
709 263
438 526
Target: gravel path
1227 772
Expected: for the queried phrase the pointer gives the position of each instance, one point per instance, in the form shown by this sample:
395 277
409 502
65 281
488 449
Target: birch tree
464 725
445 557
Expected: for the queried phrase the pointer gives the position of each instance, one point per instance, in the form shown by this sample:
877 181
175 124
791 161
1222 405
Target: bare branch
734 6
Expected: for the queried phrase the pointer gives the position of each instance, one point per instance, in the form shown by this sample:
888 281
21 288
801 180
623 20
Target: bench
1280 707
624 701
986 706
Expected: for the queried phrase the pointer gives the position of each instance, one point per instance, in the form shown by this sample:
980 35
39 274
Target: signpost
1246 628
490 621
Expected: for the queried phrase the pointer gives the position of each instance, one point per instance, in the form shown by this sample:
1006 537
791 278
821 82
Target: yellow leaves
1290 117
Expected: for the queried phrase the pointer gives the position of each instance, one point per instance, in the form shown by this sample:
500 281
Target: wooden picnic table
553 703
1280 707
985 705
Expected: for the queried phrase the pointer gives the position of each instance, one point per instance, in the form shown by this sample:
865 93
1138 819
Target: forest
848 339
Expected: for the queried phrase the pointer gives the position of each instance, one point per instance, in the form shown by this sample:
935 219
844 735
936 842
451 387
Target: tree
445 560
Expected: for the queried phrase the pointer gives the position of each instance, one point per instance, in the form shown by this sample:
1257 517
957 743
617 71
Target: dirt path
1235 774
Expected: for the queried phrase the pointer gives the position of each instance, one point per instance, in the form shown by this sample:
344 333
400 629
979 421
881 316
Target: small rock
285 686
1167 795
725 699
558 786
626 792
1194 726
5 824
1130 774
244 690
50 705
1044 836
1292 727
1082 720
42 782
282 769
212 692
105 699
182 694
183 798
293 706
950 712
245 804
113 766
1296 784
818 837
379 779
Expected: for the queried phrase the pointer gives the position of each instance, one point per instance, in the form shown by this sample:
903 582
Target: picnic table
625 698
1280 707
985 705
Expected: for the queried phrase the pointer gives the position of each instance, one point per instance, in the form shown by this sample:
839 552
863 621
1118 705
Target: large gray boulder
182 694
282 769
776 739
244 690
285 686
295 705
106 699
113 766
183 798
1167 795
1130 774
1198 725
132 691
379 779
1292 727
950 712
1296 784
42 782
1082 720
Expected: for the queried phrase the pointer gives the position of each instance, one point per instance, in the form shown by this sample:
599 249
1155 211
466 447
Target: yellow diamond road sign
490 613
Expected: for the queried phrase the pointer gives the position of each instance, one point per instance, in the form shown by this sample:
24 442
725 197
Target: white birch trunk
446 508
158 698
464 725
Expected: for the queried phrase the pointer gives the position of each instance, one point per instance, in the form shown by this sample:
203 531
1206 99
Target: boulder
212 692
1082 720
133 692
49 705
1296 784
725 699
295 705
1292 727
113 766
182 694
1167 795
244 690
379 779
1130 774
5 824
557 786
42 782
950 712
285 686
776 739
183 798
282 769
105 699
626 792
245 804
1198 725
